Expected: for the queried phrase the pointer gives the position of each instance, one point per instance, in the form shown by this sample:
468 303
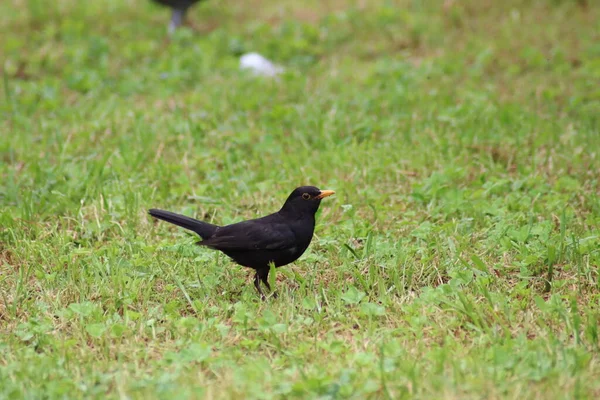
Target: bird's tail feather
204 229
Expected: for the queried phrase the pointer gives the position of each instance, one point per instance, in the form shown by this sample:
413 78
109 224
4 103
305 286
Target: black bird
279 238
180 8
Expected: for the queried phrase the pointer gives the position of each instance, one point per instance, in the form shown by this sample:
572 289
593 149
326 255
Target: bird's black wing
252 235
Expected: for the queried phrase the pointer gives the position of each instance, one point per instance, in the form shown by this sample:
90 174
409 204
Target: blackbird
180 8
279 238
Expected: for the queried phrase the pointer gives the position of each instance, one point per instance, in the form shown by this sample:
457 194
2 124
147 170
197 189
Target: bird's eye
305 196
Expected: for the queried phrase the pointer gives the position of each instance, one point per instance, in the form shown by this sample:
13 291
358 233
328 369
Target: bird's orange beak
325 193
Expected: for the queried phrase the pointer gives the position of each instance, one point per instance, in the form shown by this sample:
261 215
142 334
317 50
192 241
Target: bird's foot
264 297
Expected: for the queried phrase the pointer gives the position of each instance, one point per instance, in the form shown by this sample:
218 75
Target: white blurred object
259 65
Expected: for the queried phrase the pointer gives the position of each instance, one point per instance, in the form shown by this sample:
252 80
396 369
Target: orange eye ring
305 196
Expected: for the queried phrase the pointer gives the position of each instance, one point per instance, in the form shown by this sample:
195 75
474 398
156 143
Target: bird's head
305 200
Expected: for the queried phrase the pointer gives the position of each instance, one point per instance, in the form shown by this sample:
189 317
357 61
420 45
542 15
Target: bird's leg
176 19
257 280
264 277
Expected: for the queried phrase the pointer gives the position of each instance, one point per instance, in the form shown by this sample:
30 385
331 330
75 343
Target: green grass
458 259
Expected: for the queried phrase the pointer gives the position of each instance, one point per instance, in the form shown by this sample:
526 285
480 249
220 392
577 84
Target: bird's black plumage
279 238
180 8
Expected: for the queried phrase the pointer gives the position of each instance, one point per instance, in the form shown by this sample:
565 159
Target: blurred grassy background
458 259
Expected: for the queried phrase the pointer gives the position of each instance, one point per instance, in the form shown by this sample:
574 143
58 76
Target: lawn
459 258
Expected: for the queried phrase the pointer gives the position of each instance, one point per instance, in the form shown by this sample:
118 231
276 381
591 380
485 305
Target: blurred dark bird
279 238
180 8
